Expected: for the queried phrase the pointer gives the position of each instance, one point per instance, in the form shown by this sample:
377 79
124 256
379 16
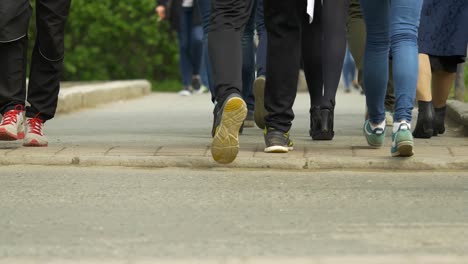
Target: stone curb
458 111
85 96
203 162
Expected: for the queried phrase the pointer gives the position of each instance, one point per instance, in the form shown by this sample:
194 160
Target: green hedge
113 39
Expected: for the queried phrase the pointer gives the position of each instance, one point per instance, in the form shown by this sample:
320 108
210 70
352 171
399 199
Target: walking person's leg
313 68
228 20
376 15
404 46
184 35
13 50
334 36
349 70
283 21
424 126
205 11
196 53
46 68
259 83
248 67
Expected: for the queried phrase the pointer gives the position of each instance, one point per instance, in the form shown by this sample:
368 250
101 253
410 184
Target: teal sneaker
375 137
402 142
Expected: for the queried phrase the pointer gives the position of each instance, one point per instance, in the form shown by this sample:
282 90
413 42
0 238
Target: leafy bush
112 39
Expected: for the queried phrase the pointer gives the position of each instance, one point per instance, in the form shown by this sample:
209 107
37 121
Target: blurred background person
184 17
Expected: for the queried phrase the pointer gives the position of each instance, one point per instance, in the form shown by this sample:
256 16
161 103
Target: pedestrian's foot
402 140
424 124
34 136
12 125
259 93
185 92
203 89
196 83
277 141
228 121
325 131
375 135
249 120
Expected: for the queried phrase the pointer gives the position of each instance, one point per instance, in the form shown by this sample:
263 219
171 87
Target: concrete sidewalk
167 130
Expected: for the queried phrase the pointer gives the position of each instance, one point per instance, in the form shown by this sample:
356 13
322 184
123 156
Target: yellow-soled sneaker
34 136
12 125
228 120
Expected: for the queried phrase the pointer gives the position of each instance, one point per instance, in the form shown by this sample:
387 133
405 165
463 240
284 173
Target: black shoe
315 121
228 121
423 127
259 92
277 141
196 84
439 121
326 131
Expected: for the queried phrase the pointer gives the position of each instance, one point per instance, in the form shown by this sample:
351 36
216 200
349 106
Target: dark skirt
443 30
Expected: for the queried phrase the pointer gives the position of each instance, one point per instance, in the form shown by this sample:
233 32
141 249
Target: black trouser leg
334 15
47 58
12 74
283 23
312 55
228 20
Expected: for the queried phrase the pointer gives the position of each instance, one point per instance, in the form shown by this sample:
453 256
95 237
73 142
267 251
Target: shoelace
11 116
35 125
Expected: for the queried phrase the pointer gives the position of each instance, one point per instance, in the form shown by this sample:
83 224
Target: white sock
380 125
396 126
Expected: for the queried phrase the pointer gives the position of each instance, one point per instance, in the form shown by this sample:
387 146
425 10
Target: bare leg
442 82
423 92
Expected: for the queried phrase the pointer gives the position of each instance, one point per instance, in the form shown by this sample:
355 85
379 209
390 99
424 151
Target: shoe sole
404 149
34 143
7 136
259 94
225 144
278 149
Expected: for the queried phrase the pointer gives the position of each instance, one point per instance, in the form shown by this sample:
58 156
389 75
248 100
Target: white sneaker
203 89
12 125
34 136
185 92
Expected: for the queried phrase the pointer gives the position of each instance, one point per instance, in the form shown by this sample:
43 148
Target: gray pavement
167 130
103 215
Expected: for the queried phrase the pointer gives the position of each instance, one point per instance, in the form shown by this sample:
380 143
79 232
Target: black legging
323 50
323 47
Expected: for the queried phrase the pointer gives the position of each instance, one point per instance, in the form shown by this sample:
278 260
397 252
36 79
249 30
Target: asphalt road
121 213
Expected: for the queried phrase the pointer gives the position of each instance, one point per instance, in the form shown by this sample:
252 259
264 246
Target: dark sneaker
249 120
375 137
228 121
402 142
259 94
277 141
196 84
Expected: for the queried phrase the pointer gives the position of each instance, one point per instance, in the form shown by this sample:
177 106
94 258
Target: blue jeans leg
349 69
205 11
391 24
196 48
184 36
262 39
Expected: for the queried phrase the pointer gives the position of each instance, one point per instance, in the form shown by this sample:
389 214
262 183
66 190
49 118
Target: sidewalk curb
458 111
86 96
203 162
